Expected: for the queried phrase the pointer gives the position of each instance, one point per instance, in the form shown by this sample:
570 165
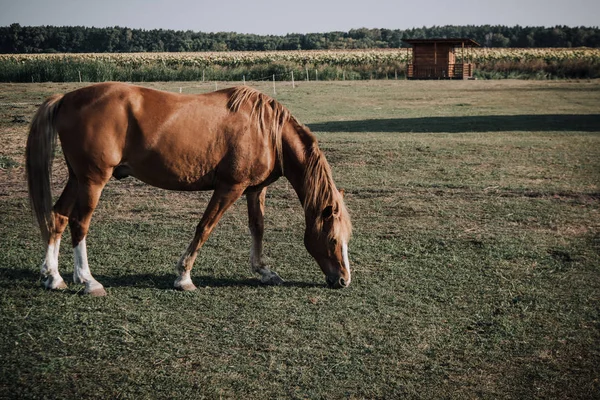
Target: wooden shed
441 58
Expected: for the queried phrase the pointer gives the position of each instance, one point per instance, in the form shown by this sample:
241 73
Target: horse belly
185 172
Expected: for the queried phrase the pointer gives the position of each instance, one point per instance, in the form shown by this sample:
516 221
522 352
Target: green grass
476 255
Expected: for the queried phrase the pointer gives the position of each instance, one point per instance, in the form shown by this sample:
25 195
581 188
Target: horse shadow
26 276
165 281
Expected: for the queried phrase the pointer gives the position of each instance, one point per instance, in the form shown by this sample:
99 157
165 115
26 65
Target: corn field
324 65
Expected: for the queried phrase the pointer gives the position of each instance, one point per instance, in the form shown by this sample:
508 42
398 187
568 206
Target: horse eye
327 212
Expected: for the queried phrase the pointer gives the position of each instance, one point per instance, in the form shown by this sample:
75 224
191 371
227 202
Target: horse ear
342 192
327 212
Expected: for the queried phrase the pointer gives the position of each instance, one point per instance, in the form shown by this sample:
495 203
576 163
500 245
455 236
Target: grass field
476 260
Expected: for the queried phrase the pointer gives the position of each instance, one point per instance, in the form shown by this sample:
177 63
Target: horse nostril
337 283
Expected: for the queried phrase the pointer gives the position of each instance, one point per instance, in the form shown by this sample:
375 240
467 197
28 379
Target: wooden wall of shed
430 54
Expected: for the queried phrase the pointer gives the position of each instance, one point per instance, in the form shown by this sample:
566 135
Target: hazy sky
298 16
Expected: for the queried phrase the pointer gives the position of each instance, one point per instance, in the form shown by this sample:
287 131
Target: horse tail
39 154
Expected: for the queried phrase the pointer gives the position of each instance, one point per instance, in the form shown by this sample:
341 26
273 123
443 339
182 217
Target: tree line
79 39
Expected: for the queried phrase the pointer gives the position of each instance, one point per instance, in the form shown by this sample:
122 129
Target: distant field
314 65
476 259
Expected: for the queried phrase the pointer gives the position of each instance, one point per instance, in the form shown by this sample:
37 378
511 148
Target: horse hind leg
51 278
256 224
49 270
88 194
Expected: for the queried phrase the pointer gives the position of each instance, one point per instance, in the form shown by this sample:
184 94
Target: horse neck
310 175
299 145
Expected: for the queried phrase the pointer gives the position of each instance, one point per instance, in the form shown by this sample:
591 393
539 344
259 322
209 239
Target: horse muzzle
336 282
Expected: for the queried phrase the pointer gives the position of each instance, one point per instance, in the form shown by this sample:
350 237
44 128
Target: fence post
293 85
274 91
307 73
316 74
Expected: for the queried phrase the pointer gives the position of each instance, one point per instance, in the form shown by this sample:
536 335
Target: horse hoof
51 284
272 279
186 286
61 285
96 292
94 289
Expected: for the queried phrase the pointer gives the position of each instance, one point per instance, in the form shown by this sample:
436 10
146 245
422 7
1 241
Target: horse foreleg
79 222
222 198
62 208
256 223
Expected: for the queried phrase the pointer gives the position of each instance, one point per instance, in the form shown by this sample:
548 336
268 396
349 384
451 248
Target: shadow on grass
165 281
12 275
484 123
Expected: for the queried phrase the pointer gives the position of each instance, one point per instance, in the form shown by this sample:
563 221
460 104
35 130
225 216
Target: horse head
326 238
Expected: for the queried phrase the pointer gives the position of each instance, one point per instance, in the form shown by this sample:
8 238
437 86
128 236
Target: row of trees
78 39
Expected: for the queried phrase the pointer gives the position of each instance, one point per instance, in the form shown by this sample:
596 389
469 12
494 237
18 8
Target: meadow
475 255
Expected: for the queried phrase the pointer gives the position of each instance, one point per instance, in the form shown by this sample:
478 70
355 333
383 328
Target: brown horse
234 141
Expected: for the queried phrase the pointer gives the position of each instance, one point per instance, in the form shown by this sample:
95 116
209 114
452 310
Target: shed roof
454 41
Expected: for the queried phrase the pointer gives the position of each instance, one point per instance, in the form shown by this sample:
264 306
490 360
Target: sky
300 16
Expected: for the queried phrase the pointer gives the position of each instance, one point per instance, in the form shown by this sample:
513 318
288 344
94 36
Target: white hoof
94 289
185 285
55 283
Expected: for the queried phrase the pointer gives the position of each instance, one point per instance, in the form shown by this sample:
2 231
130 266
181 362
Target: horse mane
321 192
268 114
